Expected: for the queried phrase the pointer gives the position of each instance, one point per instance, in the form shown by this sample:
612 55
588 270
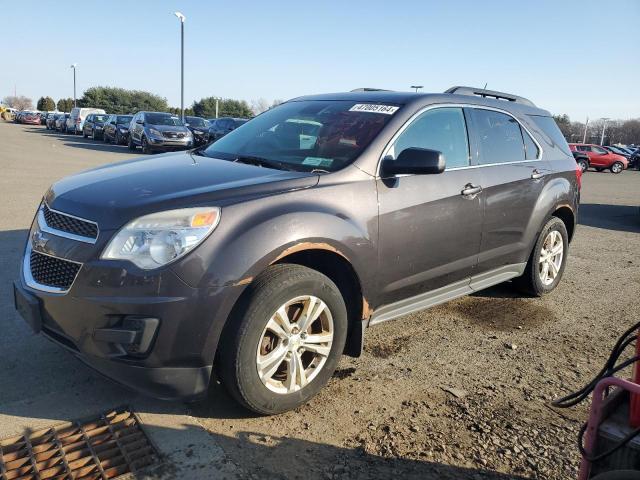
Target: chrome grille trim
42 222
31 282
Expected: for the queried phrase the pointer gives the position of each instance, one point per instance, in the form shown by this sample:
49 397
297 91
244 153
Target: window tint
441 129
550 129
599 151
582 148
531 150
500 137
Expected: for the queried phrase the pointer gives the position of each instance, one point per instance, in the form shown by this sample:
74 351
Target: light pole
586 124
182 18
217 99
604 126
417 87
74 83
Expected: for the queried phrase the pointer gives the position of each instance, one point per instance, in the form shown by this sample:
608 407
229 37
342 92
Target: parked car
600 158
219 127
634 160
30 118
61 122
116 129
158 131
199 128
266 254
617 151
75 122
49 120
582 160
94 125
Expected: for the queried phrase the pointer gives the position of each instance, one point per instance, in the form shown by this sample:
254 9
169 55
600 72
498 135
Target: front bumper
105 296
170 143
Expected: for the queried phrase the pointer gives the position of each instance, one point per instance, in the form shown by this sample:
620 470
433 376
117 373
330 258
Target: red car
600 158
31 119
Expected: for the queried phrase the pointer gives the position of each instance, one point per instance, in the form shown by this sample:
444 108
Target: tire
619 475
617 167
131 145
145 146
117 140
533 281
245 336
584 165
599 169
105 138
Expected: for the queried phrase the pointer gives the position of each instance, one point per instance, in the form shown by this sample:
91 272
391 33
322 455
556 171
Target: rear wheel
286 340
617 167
584 165
547 260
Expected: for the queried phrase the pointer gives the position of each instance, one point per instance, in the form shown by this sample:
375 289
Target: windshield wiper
262 162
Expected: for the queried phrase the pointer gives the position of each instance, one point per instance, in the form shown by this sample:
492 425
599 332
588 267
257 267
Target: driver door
430 225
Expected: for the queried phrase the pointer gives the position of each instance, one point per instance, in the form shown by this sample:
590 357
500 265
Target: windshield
161 119
308 135
100 118
122 119
196 121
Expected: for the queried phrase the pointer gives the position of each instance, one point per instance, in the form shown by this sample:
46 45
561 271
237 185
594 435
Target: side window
531 150
582 148
599 151
443 129
500 137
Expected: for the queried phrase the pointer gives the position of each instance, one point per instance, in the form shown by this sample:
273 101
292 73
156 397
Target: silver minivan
75 122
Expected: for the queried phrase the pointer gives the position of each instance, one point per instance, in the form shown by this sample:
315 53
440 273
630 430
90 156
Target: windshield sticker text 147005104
373 108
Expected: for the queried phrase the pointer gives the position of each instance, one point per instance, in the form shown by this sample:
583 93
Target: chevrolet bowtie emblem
39 240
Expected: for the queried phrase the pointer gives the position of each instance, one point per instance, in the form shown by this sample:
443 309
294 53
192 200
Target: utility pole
604 126
182 18
586 124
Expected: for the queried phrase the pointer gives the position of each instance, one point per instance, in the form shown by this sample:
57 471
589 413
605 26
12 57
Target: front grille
66 223
173 134
52 271
103 447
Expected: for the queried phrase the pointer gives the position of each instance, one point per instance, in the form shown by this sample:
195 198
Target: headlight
157 239
123 130
155 132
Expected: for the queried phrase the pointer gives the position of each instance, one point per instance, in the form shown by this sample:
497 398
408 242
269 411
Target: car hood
169 128
115 194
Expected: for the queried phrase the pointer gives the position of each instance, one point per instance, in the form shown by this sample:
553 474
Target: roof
423 99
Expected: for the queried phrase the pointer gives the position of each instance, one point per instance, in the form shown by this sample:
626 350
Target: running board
444 294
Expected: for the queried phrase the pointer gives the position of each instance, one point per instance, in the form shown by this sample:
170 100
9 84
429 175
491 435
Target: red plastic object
634 406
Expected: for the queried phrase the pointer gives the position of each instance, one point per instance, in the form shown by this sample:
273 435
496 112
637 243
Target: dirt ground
460 391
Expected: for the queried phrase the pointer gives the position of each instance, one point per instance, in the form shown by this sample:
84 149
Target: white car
75 122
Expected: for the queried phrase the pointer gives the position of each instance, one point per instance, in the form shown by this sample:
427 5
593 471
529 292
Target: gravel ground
460 391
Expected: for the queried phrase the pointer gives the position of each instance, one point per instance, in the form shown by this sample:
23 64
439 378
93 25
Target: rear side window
500 137
531 150
552 132
441 129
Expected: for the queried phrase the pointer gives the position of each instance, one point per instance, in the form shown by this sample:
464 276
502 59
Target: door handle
471 190
536 174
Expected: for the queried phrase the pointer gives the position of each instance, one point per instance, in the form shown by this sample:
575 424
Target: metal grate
173 134
52 271
104 447
66 223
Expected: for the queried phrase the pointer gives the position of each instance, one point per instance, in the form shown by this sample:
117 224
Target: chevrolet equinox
262 257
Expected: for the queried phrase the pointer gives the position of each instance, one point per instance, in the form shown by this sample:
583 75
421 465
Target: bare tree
260 105
19 102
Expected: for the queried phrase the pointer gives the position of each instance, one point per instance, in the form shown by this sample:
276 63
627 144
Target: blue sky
576 57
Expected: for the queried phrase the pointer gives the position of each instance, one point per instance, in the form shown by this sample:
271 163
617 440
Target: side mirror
414 161
140 121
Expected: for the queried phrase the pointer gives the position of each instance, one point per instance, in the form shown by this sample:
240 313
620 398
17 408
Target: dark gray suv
265 255
158 131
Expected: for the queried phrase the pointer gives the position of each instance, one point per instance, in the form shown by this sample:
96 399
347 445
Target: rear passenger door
429 225
512 177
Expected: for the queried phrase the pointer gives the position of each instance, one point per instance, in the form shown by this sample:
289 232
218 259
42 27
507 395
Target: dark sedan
116 129
199 127
221 126
94 125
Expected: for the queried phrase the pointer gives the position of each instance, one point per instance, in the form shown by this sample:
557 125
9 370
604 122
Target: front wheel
547 260
617 167
145 146
285 341
131 145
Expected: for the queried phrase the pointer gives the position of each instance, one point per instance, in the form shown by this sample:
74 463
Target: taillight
579 176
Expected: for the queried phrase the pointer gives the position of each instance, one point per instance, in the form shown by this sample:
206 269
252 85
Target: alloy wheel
295 344
616 167
551 256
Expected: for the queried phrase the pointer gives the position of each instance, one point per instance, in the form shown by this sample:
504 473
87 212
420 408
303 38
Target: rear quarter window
551 134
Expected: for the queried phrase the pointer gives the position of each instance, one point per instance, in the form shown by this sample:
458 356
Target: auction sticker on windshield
373 108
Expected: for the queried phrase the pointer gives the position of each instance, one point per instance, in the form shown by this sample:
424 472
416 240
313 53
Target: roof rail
491 94
370 89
